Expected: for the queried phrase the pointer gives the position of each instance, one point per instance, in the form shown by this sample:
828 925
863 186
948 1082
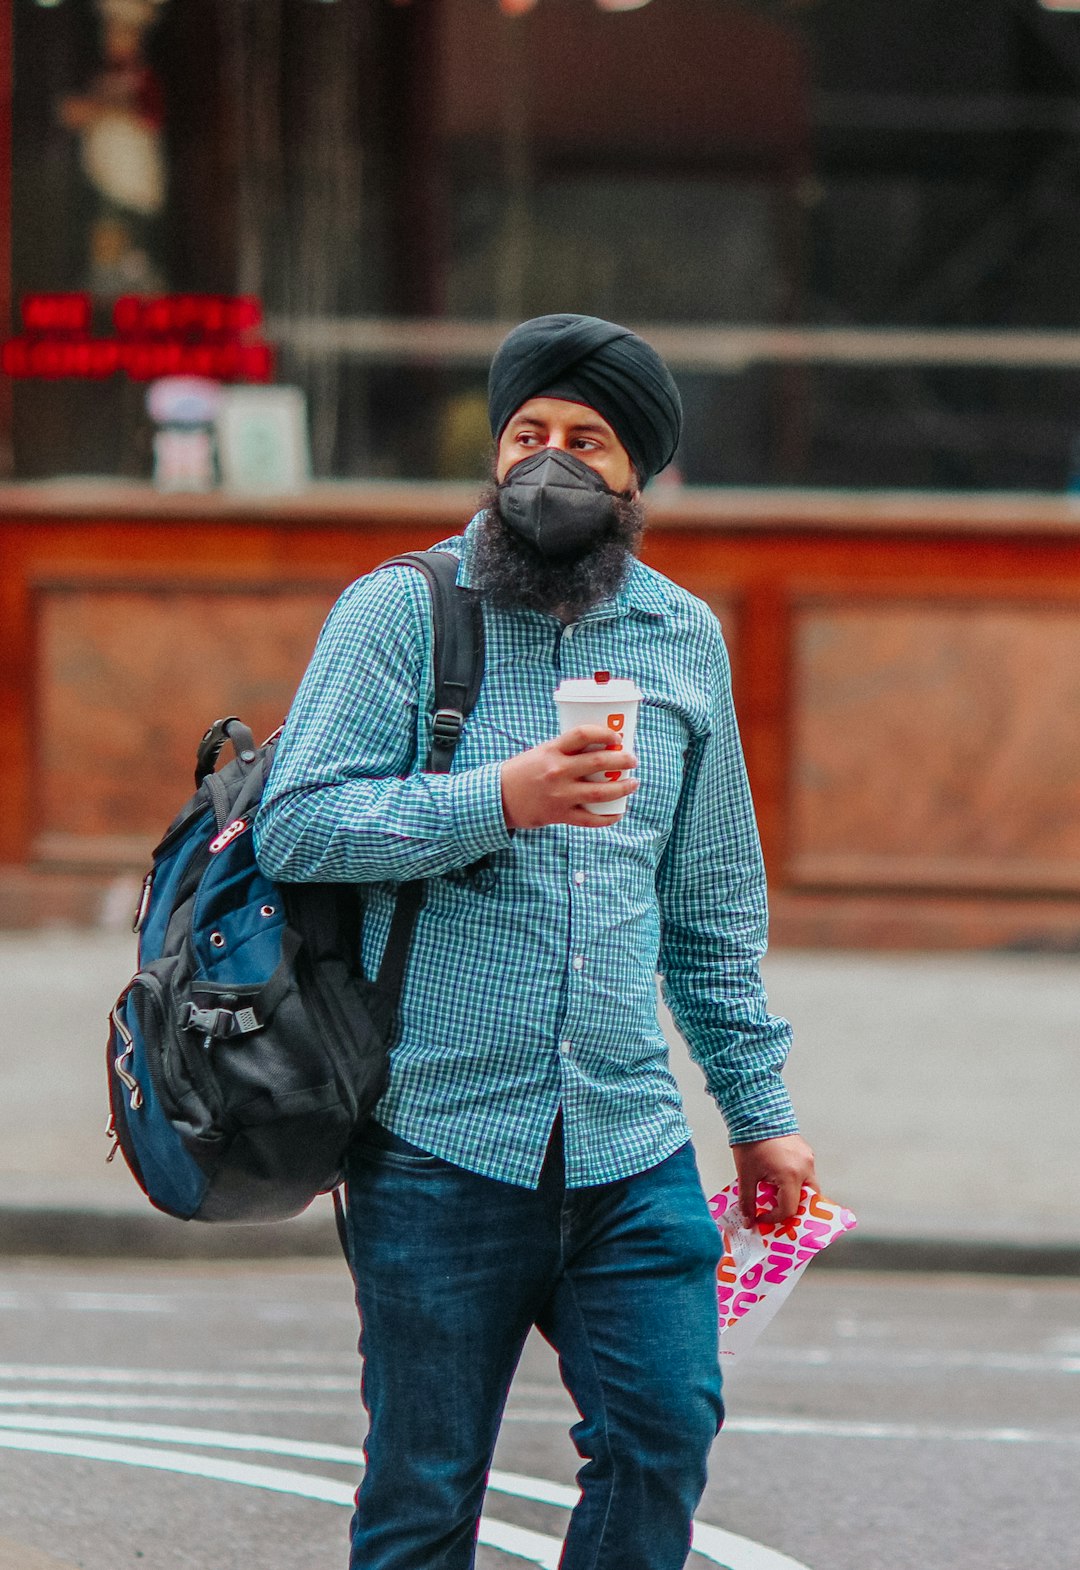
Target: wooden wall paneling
750 598
928 919
934 744
7 303
762 695
966 838
97 621
756 632
17 659
129 678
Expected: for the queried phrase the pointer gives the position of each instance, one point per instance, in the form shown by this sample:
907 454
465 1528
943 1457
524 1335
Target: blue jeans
453 1270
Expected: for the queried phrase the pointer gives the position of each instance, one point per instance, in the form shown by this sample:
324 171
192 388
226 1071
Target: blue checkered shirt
537 992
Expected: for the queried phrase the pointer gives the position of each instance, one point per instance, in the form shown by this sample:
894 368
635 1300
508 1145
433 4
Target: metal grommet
216 940
267 910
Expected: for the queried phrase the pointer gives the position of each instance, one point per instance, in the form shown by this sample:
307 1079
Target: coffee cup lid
587 689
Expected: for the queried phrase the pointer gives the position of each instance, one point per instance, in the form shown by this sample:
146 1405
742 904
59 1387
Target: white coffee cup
601 700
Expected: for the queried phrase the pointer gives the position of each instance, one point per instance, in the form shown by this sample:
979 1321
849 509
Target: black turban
586 360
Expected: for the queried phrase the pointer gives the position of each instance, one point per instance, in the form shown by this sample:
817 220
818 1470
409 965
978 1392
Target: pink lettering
778 1271
744 1301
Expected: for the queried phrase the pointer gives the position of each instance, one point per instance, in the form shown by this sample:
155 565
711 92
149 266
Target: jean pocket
379 1147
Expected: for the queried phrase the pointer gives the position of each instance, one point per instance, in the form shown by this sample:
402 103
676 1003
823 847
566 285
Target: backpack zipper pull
144 902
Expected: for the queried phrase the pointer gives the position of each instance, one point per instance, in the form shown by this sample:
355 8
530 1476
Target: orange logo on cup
615 722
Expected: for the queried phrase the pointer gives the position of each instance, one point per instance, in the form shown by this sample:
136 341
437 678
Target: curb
951 1256
70 1233
33 1232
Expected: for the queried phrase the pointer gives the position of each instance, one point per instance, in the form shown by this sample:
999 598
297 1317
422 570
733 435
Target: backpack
249 1046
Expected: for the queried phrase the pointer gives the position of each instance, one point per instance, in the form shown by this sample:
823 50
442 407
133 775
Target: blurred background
255 258
681 164
852 228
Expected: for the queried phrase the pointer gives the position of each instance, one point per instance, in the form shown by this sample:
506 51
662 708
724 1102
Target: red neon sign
185 315
155 335
56 313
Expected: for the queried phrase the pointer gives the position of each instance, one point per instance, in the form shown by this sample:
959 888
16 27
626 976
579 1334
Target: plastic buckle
194 1018
208 1022
446 726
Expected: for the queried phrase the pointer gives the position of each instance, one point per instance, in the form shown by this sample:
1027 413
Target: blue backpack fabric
249 1046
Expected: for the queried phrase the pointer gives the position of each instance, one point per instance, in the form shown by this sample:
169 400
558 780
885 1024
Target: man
529 1163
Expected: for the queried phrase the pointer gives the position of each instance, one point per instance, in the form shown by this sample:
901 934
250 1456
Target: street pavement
186 1415
939 1091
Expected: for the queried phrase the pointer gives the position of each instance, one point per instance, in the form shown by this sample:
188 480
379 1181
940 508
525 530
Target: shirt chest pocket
661 745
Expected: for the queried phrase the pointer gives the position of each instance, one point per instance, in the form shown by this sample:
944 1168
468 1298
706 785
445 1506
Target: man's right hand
548 784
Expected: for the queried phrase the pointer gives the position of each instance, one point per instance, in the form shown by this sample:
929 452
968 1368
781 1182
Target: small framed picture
262 438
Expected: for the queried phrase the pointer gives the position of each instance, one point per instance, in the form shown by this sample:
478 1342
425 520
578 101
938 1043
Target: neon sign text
155 335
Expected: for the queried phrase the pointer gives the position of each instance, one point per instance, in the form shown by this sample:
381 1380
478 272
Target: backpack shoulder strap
458 657
458 642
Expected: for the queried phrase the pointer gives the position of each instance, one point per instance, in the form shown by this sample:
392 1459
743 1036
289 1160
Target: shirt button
579 878
579 962
566 1046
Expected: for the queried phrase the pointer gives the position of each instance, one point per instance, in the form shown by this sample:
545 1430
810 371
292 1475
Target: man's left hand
787 1162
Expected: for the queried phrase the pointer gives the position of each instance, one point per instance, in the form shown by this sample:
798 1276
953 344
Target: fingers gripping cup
601 700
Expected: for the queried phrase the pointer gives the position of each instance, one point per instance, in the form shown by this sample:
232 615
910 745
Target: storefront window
850 225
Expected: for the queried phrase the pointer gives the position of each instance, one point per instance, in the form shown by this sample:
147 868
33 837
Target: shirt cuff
476 810
760 1109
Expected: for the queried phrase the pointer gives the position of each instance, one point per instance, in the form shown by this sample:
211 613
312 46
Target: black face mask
556 503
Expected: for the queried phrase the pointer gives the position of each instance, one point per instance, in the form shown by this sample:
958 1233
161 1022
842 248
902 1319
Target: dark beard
512 574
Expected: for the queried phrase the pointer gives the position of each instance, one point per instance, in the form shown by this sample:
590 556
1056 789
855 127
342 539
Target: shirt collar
642 592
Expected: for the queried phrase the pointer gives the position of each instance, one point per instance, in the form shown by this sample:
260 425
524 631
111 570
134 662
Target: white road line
738 1553
560 1417
115 1303
780 1427
177 1378
550 1493
173 1303
847 1356
899 1358
200 1438
832 1428
58 1436
517 1541
279 1480
132 1403
774 1426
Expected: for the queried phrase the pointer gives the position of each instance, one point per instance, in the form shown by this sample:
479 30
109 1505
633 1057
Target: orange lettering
726 1272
